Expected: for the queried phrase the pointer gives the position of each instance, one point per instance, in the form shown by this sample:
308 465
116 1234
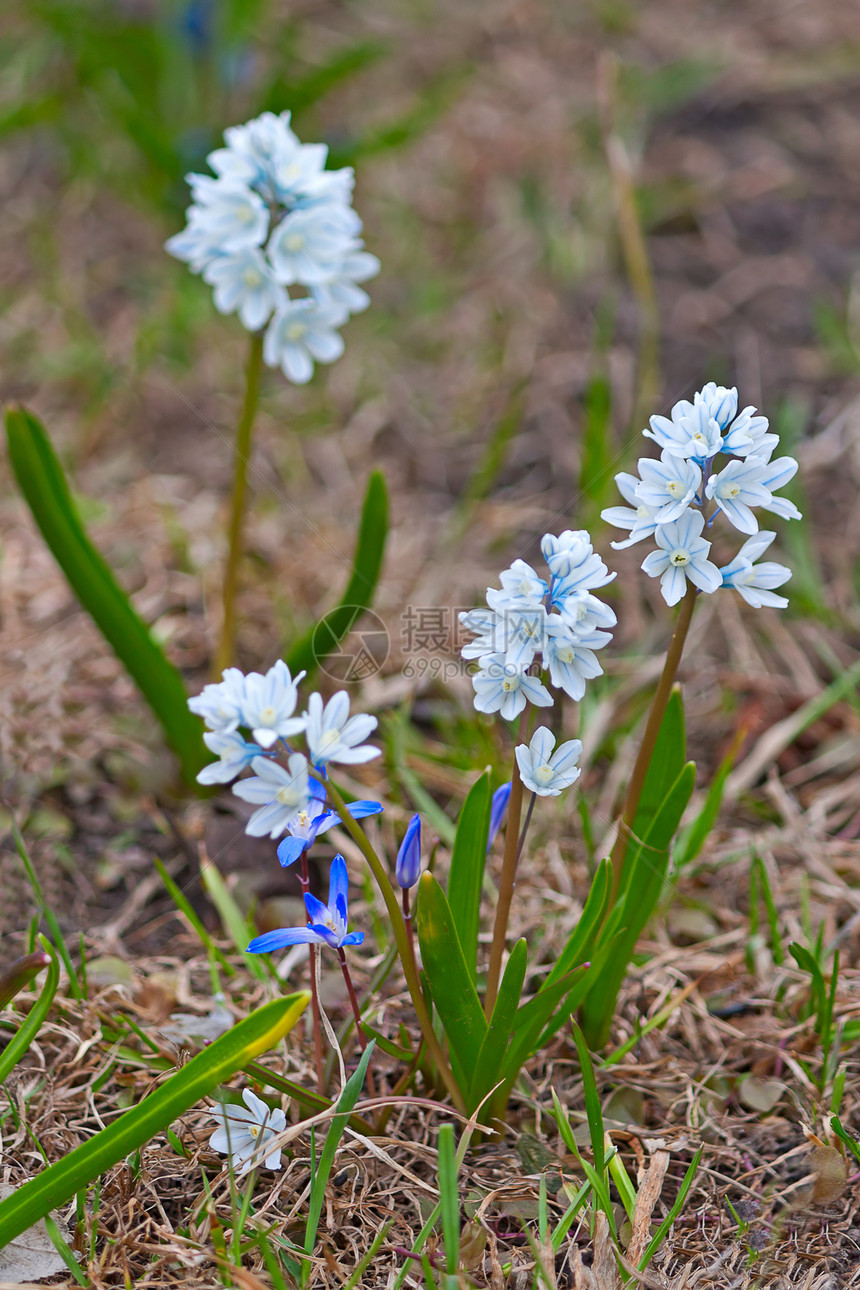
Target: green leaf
468 858
324 638
234 922
663 769
645 865
489 1066
32 1023
60 1182
678 1204
345 1104
43 484
451 986
20 973
693 837
449 1198
593 1110
576 950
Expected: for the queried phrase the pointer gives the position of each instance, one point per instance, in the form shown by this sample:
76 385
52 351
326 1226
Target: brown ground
500 249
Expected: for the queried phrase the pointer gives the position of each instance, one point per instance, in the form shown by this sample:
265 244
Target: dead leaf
31 1256
646 1198
760 1094
831 1175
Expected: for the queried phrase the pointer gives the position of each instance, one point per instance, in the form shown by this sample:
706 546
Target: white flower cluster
676 498
275 218
558 620
286 798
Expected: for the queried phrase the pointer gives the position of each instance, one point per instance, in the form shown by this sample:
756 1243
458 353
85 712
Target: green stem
224 655
508 879
649 738
401 936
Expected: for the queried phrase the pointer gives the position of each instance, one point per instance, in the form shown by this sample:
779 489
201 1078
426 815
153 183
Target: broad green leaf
693 836
489 1066
576 950
466 878
60 1182
325 637
664 768
32 1023
43 484
449 1199
451 986
646 865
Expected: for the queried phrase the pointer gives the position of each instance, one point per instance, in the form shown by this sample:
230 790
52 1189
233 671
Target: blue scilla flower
279 792
407 869
682 554
234 753
667 486
333 735
308 823
500 687
221 703
328 923
755 582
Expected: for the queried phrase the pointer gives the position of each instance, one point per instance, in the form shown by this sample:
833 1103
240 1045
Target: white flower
521 588
243 283
220 704
488 627
748 433
546 772
668 486
567 551
295 169
584 614
309 245
691 432
722 403
755 582
505 689
300 332
638 517
341 288
520 633
570 662
230 211
196 245
588 575
245 1129
280 793
270 702
776 475
332 735
234 755
683 554
253 149
737 487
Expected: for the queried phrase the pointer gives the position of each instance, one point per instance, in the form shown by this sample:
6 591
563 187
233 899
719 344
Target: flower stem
649 738
401 936
356 1012
224 655
304 879
508 880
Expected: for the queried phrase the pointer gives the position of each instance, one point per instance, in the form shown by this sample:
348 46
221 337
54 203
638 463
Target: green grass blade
576 950
451 987
660 1235
664 768
61 1245
60 1182
42 482
326 635
345 1103
449 1198
693 838
490 1063
234 923
32 1023
46 912
593 1109
467 868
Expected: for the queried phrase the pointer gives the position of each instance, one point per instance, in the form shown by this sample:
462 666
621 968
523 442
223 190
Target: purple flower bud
408 867
498 810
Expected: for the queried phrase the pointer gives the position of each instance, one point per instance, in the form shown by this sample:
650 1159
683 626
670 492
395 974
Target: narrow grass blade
660 1235
46 912
576 950
60 1182
231 917
490 1063
61 1245
663 769
365 1262
693 837
32 1023
345 1103
451 986
309 1101
307 654
43 484
466 877
183 904
593 1110
449 1197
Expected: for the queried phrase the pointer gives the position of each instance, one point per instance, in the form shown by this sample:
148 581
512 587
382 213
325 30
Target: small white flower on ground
683 554
333 735
301 332
244 284
270 702
736 488
279 792
667 486
234 754
506 690
545 772
221 703
755 582
245 1130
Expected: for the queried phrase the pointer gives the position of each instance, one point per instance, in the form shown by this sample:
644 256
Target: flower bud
408 867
